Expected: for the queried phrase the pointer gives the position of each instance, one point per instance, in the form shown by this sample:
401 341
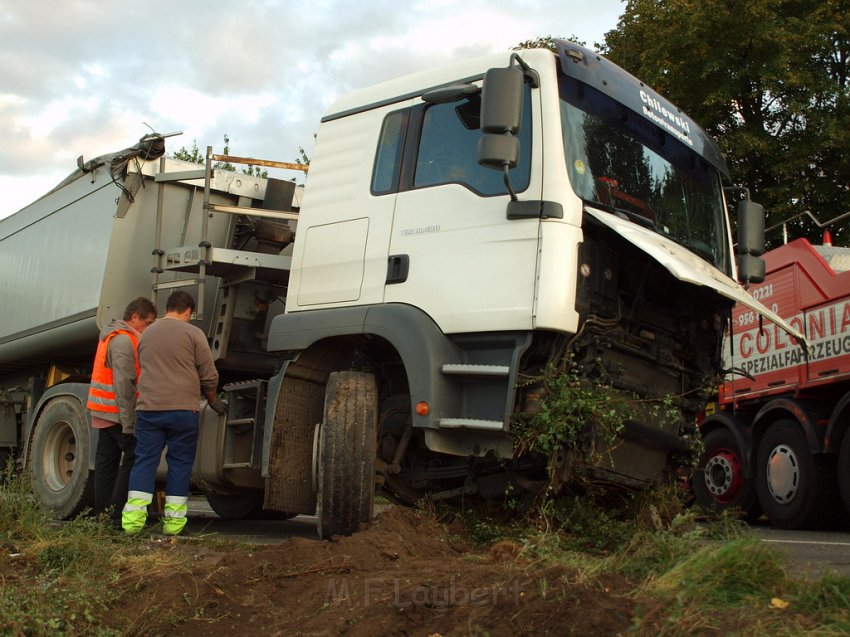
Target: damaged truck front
489 222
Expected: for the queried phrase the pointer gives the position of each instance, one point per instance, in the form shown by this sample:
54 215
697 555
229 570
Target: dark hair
180 301
141 306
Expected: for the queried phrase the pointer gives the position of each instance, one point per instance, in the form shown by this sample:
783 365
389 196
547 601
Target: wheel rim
724 476
783 474
60 461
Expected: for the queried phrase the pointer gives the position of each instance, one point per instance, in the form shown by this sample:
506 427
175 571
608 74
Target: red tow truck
777 441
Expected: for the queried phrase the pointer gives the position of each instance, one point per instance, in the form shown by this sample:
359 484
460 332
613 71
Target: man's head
140 313
180 304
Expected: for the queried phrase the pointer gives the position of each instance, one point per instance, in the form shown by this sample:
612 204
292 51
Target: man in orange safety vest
112 403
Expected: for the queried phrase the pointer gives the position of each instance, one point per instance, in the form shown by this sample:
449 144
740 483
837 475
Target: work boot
174 514
135 512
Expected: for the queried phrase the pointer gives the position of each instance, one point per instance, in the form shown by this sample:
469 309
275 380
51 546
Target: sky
83 77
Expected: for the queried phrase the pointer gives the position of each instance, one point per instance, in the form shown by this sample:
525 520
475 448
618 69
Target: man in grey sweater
177 367
112 403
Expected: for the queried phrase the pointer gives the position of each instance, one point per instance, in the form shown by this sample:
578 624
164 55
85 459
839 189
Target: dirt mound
404 574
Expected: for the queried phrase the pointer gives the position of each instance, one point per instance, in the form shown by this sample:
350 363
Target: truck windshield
620 162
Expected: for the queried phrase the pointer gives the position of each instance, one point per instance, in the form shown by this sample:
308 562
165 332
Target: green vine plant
575 422
570 413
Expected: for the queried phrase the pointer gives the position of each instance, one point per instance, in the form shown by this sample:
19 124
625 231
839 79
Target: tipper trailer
777 441
462 230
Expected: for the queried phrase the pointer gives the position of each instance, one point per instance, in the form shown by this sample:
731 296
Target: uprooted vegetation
578 565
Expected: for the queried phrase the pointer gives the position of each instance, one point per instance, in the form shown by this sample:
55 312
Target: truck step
470 423
463 369
240 421
236 465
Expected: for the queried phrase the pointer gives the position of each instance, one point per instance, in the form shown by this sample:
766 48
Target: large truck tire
60 458
720 480
796 489
346 453
844 471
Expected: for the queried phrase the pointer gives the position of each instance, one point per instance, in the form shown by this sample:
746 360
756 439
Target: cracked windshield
618 161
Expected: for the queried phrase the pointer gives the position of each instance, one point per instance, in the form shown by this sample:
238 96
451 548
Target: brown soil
403 575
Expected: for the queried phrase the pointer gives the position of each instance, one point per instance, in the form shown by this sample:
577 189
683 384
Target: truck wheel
244 506
796 489
844 471
60 458
720 481
346 450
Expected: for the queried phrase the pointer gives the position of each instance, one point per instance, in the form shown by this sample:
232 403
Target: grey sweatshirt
177 366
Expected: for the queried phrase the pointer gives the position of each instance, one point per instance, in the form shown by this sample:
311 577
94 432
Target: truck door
453 252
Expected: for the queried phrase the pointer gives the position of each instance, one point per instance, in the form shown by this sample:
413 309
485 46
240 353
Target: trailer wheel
796 489
244 506
720 481
844 471
60 458
346 451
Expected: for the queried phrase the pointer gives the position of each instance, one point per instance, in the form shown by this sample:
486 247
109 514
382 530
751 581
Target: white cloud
81 79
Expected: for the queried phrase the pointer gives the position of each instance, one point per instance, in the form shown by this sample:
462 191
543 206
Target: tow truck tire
844 471
796 488
346 453
60 458
244 506
720 479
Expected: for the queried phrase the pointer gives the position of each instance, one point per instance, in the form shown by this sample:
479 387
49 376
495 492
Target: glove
219 407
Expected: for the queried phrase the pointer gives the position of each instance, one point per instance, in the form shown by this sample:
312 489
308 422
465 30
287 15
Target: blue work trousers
157 430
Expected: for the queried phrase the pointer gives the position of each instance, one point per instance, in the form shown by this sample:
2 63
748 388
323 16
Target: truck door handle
398 266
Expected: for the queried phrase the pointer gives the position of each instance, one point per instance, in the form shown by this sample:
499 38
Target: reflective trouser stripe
135 512
174 514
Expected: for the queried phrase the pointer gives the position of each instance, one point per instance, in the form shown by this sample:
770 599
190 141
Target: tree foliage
196 155
768 79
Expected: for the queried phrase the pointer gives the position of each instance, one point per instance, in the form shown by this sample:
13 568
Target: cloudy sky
86 77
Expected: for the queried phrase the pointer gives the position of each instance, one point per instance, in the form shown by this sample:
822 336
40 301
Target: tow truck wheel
346 453
796 489
844 471
720 481
60 458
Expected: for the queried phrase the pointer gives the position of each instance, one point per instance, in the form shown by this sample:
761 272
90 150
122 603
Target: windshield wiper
623 213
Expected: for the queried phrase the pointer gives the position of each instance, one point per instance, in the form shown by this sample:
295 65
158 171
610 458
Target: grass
687 575
691 574
57 578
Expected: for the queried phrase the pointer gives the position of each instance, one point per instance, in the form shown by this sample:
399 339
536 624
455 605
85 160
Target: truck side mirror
751 267
501 101
750 228
501 117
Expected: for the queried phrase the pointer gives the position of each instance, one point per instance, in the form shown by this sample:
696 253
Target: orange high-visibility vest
102 387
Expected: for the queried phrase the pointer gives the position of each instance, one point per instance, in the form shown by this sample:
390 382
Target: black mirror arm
506 171
531 76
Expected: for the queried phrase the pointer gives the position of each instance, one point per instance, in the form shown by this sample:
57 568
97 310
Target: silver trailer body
73 259
120 227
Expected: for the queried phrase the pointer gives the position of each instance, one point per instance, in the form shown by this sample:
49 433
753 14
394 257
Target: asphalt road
809 553
202 521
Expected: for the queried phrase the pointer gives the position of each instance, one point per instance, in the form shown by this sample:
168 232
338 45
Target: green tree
197 156
768 79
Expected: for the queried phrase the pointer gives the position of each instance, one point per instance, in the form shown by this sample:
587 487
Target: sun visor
594 70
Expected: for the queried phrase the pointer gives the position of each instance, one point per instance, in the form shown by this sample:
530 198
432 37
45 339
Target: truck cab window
448 149
388 155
